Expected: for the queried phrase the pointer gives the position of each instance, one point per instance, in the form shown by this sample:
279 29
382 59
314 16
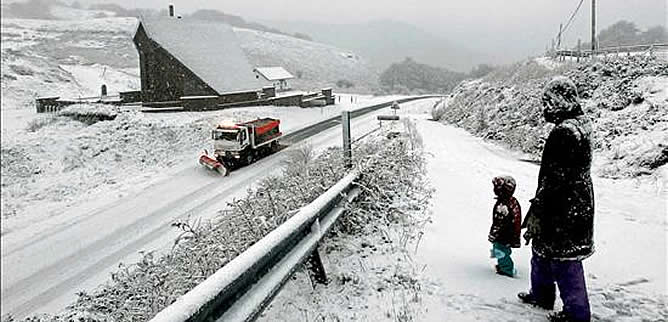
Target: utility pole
593 25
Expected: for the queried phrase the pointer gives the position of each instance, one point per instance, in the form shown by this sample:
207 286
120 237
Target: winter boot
528 298
560 316
504 273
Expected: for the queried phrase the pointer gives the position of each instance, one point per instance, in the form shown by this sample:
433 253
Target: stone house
184 57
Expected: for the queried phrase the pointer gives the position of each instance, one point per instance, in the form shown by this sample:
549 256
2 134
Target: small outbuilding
276 76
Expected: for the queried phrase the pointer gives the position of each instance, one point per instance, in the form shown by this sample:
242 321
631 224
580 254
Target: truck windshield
226 135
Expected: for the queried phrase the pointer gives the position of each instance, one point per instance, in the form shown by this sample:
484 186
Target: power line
570 20
573 16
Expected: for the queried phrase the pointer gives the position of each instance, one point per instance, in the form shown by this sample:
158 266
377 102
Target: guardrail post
316 268
347 150
314 262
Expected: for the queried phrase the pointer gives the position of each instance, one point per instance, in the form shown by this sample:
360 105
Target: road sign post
347 150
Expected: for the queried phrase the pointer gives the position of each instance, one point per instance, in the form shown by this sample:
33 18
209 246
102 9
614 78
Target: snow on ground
69 13
449 276
54 162
548 62
136 217
626 277
38 55
645 131
371 273
315 65
68 58
625 98
90 78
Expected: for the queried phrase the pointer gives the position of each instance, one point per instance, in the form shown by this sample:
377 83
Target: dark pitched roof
210 50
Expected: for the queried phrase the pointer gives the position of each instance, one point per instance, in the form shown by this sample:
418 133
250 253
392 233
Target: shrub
40 122
344 83
418 78
302 36
438 110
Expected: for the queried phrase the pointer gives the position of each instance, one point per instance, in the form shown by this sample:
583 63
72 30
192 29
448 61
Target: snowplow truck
242 143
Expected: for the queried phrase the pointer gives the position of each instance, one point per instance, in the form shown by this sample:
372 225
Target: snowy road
42 271
626 276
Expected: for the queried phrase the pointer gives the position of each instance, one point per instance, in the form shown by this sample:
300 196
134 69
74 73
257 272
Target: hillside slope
38 55
315 65
72 58
627 99
389 41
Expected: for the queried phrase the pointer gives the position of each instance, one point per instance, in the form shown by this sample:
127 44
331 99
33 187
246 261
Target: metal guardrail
300 134
613 50
241 289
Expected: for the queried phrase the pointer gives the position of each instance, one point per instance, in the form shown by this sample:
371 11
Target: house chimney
171 10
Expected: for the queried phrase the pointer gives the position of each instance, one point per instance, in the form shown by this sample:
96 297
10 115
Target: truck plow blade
213 164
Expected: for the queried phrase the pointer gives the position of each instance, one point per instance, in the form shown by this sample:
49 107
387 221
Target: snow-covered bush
505 106
438 110
41 121
90 114
370 251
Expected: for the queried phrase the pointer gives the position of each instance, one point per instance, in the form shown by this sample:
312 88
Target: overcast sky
491 16
498 22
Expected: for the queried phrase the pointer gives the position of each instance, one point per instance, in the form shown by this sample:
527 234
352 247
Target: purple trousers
569 277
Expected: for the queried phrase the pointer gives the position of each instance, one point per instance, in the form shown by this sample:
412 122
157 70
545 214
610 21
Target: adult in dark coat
560 219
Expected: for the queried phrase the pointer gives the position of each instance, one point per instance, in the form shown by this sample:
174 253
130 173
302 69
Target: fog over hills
389 41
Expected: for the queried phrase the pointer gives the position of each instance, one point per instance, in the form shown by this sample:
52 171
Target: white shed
277 76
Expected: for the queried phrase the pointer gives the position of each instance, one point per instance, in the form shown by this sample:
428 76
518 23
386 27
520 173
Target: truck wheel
249 158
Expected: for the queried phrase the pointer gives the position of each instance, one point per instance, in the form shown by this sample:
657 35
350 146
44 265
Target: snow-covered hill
72 58
316 65
67 58
627 98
